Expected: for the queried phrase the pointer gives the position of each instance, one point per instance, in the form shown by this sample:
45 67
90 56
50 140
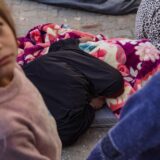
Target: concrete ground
28 14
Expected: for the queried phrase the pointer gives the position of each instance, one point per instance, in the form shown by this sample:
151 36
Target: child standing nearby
26 129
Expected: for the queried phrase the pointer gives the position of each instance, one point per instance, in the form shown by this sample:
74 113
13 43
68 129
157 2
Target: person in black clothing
73 83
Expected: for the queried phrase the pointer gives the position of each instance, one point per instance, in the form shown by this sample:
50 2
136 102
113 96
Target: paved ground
28 14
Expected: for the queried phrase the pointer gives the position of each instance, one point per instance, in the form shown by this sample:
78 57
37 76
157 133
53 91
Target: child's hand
97 102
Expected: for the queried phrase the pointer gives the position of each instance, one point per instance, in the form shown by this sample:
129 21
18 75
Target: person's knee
70 132
68 140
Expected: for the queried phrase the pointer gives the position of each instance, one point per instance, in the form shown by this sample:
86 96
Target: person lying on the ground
137 134
137 60
26 130
73 84
147 21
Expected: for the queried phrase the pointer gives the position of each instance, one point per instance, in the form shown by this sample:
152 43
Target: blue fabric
97 153
137 135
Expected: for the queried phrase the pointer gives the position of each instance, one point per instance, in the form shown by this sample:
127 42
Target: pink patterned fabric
137 60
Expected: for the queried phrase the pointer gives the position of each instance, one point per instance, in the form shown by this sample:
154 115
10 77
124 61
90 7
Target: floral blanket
137 60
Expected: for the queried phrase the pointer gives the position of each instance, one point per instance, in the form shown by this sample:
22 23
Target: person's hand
97 102
85 39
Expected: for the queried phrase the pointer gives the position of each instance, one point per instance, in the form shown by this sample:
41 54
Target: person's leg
75 124
138 129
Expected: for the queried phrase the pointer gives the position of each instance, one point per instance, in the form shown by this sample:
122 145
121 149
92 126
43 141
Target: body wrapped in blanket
137 60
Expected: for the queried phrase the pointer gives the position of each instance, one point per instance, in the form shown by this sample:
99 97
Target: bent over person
71 83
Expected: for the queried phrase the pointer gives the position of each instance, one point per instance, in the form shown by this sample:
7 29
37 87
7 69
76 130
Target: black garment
113 7
68 79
